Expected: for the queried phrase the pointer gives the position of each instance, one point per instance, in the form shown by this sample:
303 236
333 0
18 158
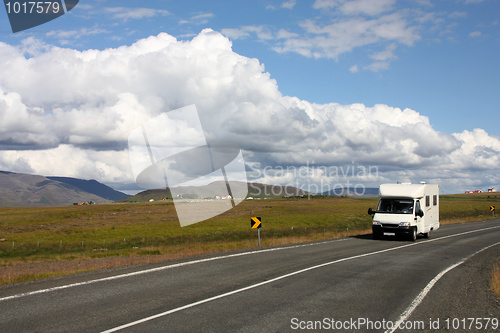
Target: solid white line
157 269
140 321
416 302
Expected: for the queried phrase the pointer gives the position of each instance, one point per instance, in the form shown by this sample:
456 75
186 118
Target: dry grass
495 280
27 271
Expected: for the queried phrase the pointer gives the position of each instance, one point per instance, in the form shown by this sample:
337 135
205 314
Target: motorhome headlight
404 224
375 222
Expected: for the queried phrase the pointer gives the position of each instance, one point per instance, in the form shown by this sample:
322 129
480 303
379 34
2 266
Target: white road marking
416 302
42 291
151 270
187 306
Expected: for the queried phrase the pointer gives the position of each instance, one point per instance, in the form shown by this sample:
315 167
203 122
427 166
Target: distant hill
92 186
156 195
24 190
255 190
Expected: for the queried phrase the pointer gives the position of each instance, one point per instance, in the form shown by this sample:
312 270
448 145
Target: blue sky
446 67
438 59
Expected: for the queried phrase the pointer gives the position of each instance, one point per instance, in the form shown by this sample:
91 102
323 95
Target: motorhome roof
402 190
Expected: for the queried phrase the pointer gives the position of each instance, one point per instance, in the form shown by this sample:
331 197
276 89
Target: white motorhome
406 209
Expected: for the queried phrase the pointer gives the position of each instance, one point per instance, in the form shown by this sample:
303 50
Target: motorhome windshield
395 206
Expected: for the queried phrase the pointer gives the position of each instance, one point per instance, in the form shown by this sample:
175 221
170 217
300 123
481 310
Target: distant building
471 192
224 197
85 203
492 189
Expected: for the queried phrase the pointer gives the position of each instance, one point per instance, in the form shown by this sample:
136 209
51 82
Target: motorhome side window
435 200
395 206
427 200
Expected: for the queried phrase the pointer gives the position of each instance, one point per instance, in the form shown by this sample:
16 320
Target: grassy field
43 242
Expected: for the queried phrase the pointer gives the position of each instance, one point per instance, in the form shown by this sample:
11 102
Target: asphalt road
349 285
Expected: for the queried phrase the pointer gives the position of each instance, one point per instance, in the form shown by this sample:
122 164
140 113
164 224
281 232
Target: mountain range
24 190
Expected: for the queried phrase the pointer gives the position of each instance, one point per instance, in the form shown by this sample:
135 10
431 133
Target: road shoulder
462 293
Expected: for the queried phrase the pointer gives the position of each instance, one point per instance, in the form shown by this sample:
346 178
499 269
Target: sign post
492 208
256 223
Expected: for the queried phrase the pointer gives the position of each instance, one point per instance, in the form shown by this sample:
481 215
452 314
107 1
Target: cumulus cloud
69 113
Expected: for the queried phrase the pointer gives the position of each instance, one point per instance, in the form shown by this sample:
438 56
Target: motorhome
406 210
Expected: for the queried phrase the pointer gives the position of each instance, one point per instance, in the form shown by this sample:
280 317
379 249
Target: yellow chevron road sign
255 222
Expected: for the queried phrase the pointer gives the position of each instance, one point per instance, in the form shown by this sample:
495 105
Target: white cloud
66 37
69 113
456 15
475 34
66 160
261 32
362 23
382 59
289 4
235 33
200 18
344 26
387 54
344 35
356 7
377 66
285 34
125 13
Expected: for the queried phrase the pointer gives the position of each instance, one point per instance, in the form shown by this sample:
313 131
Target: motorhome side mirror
370 211
420 213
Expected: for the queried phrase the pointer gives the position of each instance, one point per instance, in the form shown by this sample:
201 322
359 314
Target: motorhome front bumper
391 229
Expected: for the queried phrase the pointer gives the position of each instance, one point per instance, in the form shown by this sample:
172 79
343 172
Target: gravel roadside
462 293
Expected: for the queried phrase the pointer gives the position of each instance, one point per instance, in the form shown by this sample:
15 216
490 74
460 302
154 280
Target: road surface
346 285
